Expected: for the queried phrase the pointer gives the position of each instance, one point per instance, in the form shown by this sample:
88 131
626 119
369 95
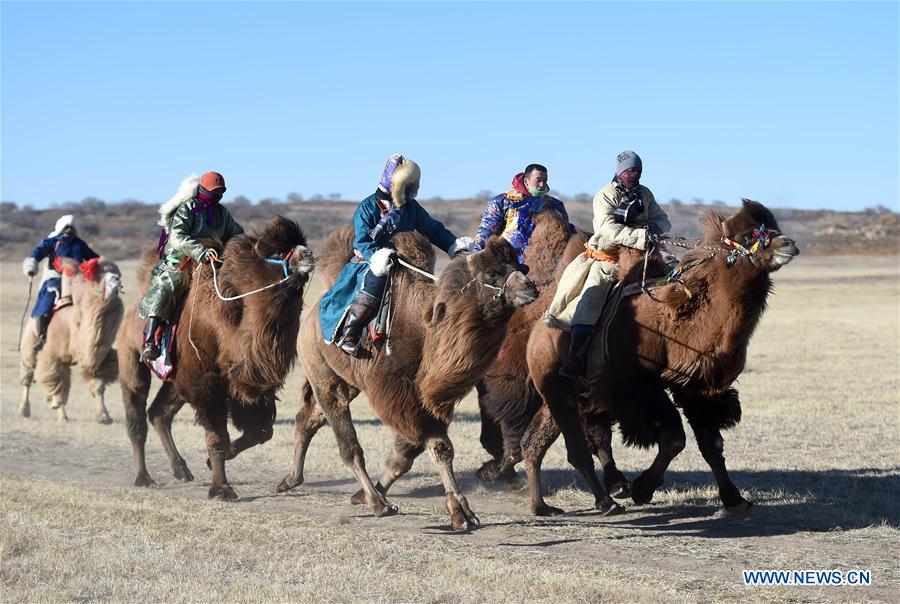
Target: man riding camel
63 242
353 301
511 214
625 213
193 213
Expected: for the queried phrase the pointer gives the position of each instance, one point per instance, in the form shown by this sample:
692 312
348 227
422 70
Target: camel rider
353 301
625 214
511 214
193 213
63 242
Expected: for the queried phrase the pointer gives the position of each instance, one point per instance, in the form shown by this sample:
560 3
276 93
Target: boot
575 365
361 311
40 324
150 352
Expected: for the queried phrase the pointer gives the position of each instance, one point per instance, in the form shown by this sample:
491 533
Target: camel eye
492 275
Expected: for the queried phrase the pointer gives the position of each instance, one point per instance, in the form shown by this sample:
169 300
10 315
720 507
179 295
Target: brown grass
817 451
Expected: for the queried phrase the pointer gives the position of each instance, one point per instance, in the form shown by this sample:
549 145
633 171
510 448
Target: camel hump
335 253
547 245
416 249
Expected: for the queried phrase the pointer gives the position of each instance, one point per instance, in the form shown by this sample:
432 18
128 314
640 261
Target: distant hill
120 230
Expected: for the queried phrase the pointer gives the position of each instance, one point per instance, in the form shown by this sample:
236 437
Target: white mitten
462 244
381 261
29 266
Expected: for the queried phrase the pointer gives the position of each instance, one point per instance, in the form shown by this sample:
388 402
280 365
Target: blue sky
794 104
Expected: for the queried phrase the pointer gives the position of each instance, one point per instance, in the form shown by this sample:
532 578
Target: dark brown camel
244 350
693 344
506 396
444 335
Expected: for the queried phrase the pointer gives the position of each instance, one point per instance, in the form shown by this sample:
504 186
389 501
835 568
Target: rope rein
215 281
416 269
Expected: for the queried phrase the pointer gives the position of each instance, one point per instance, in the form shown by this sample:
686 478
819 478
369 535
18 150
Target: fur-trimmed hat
64 221
400 173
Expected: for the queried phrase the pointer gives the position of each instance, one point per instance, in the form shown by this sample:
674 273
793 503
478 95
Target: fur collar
186 191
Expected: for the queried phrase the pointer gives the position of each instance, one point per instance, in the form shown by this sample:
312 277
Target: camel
507 398
689 337
444 336
232 356
81 334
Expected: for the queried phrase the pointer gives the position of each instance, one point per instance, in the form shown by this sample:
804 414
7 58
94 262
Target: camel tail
335 253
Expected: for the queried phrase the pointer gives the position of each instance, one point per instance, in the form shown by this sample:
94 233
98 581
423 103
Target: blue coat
413 217
52 248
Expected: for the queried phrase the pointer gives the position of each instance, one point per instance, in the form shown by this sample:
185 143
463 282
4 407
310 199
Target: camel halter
761 237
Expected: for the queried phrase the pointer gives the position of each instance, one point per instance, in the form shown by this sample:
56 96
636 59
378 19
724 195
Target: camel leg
335 403
542 433
98 392
491 437
670 441
135 383
161 413
462 518
598 428
214 419
399 461
256 424
307 422
26 371
559 395
712 447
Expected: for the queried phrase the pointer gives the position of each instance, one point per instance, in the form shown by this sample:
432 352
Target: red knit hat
212 181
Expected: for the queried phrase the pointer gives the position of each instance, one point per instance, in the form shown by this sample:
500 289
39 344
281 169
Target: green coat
167 283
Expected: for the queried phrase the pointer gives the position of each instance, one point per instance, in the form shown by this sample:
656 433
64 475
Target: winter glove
381 261
29 266
462 245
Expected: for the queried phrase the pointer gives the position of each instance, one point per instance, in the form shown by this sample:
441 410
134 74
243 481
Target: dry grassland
817 451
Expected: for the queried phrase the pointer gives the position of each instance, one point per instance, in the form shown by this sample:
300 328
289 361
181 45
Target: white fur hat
63 222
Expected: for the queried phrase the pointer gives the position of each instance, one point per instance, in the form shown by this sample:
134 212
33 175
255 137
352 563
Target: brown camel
444 335
690 338
81 334
232 355
507 398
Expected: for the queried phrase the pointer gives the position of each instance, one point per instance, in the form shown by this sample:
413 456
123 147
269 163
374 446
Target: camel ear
437 315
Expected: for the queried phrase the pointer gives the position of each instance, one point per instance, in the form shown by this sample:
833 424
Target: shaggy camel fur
506 396
444 335
693 344
244 350
81 334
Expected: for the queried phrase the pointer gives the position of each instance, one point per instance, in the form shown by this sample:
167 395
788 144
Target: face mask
208 198
536 192
630 178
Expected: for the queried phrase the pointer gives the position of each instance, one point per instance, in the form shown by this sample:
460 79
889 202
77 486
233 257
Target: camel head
754 233
282 248
110 279
499 275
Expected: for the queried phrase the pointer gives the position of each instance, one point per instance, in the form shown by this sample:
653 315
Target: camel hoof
609 508
744 508
104 419
358 497
182 473
24 412
488 471
547 510
641 491
222 492
620 490
387 510
287 484
144 480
